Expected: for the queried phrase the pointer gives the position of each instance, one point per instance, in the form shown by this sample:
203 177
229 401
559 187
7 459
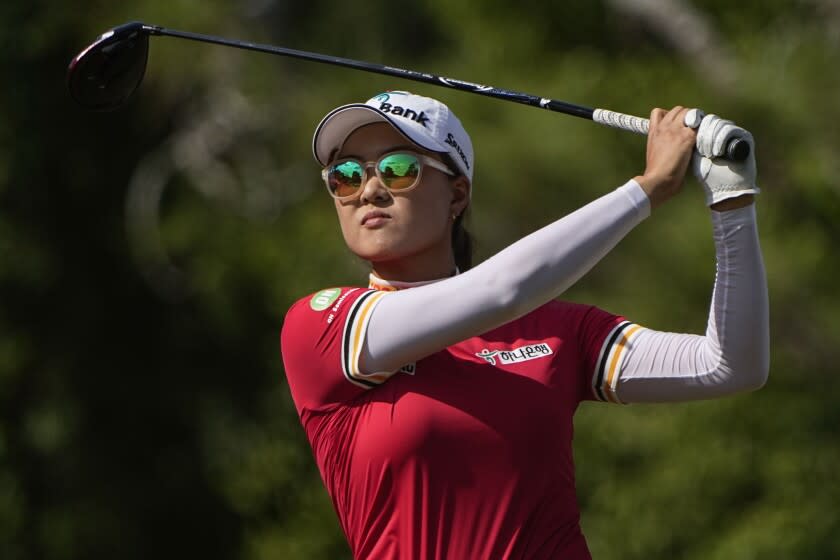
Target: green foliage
143 409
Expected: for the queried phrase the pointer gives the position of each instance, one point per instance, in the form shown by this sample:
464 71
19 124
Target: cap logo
454 143
386 95
404 112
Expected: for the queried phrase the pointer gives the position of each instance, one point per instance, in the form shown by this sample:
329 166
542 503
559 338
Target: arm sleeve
408 325
642 365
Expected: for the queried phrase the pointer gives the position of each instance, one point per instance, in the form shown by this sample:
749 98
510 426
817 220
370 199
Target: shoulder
326 318
565 313
566 307
323 299
322 306
587 324
314 344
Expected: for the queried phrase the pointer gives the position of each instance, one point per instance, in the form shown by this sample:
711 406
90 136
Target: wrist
733 203
653 188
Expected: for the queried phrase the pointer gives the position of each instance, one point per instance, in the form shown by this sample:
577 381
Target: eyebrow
408 147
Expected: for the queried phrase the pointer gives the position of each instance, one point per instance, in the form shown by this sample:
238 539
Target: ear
460 195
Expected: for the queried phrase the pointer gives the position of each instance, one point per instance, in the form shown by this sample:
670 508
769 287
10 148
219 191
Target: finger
693 118
676 123
675 114
656 116
653 127
727 132
705 134
722 134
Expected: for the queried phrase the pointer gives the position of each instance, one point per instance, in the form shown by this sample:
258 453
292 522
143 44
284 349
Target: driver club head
104 75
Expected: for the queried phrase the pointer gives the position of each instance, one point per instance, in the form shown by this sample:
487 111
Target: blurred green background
147 258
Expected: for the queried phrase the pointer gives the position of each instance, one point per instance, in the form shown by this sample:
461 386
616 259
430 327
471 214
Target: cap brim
334 129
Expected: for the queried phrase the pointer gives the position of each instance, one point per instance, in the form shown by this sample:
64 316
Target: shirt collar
382 285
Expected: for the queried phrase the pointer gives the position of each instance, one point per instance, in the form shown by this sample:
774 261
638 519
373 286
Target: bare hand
669 147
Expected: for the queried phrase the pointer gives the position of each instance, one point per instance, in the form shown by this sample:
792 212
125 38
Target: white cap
425 121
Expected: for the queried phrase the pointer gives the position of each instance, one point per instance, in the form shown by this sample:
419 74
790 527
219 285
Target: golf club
104 75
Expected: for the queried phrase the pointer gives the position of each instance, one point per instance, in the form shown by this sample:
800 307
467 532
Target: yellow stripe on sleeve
611 379
358 330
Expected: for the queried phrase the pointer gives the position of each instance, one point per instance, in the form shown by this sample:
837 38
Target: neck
377 283
415 269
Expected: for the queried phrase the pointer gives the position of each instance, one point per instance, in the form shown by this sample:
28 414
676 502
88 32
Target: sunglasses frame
423 159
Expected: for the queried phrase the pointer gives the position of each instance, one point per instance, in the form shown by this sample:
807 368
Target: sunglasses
397 171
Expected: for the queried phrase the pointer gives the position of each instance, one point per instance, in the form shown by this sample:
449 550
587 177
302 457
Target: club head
103 76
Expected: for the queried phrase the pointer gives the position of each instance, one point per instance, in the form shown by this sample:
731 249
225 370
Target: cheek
431 218
346 223
433 211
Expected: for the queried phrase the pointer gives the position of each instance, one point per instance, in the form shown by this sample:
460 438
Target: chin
387 252
375 252
378 249
375 257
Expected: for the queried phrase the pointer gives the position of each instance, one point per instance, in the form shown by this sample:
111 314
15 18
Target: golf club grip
737 149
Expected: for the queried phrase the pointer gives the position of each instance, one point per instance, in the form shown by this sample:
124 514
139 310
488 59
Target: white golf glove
721 178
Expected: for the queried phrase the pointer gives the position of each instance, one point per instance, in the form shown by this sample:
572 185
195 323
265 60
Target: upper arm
636 364
674 367
732 356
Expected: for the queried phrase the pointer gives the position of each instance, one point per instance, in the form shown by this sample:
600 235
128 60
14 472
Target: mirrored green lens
399 171
345 178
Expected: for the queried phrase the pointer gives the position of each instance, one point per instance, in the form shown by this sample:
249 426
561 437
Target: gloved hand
721 178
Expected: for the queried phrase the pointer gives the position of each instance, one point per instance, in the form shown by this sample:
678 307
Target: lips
375 218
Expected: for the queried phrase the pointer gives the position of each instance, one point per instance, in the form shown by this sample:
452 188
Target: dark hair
462 243
462 240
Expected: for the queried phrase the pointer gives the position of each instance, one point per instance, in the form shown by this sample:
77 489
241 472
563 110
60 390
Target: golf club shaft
601 116
737 149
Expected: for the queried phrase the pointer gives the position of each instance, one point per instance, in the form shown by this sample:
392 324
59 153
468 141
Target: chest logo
516 355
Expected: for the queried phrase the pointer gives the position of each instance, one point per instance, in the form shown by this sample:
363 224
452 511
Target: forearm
733 356
411 324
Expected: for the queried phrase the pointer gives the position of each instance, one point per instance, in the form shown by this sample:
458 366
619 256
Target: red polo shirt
468 452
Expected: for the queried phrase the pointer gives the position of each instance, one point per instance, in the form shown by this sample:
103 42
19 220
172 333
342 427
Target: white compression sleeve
734 354
411 324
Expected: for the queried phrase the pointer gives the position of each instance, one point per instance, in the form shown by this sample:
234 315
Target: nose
372 188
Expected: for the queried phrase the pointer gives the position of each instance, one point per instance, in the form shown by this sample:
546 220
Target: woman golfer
439 399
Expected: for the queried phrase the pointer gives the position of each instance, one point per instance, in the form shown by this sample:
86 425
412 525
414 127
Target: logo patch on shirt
324 299
516 355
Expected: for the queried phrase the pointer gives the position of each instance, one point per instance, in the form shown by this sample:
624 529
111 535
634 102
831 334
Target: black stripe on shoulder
346 340
602 366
